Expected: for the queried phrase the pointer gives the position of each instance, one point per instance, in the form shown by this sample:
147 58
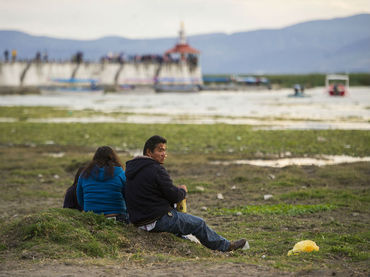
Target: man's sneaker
237 244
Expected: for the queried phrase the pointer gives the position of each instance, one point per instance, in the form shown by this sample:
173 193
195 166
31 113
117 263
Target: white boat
337 85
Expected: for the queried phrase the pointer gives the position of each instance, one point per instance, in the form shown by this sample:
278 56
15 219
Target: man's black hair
152 142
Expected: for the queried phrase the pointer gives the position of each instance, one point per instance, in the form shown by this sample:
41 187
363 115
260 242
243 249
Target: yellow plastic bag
303 246
181 206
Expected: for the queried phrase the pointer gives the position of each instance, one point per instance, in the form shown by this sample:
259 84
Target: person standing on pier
14 55
6 55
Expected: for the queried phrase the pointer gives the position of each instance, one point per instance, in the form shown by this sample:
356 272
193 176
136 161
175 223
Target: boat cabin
337 85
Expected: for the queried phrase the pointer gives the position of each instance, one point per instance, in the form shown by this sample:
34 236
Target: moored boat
337 85
176 88
72 85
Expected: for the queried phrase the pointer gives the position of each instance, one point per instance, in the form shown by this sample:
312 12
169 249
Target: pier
142 71
36 74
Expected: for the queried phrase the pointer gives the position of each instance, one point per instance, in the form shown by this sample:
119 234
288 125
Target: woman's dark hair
152 142
70 198
78 173
104 157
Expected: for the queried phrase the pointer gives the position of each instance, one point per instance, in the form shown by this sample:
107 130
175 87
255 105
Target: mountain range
322 46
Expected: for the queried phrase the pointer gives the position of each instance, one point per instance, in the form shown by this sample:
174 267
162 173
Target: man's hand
183 187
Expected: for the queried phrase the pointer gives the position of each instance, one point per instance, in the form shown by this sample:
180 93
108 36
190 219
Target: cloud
161 18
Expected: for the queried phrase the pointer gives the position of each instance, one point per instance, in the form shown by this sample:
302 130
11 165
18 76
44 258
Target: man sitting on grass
151 195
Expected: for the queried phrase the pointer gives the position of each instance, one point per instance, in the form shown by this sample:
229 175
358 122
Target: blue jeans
184 224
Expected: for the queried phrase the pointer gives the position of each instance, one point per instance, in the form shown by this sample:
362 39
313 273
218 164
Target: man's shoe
237 244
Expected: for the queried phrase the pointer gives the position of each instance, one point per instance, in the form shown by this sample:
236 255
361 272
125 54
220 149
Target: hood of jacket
100 173
135 165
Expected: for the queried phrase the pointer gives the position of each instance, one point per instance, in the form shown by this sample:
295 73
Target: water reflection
321 160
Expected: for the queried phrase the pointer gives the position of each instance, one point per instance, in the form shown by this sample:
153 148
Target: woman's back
102 193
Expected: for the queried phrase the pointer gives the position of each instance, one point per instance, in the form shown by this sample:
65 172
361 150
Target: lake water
266 109
321 160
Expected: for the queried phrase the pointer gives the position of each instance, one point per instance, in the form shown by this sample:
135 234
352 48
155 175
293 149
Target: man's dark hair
152 142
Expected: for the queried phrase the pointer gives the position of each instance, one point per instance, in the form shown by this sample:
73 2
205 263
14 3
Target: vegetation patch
56 230
339 197
198 187
210 139
311 80
278 209
352 246
67 233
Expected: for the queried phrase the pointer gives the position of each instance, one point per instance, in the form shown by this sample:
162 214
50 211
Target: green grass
216 139
278 209
66 233
58 230
338 196
195 187
37 112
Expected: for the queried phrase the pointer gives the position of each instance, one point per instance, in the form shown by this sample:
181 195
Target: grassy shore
310 80
210 139
329 205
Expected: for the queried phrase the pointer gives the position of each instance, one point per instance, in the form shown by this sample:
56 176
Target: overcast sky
89 19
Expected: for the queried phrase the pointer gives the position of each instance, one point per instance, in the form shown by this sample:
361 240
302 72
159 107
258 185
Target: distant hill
336 45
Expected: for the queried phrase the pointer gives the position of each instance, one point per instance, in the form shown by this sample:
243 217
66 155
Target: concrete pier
36 74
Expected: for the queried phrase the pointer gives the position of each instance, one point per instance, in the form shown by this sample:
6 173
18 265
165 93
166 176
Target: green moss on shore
217 139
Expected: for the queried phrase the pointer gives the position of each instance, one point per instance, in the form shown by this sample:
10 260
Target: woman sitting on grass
70 199
101 185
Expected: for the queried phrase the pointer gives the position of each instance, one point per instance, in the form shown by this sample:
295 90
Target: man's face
159 153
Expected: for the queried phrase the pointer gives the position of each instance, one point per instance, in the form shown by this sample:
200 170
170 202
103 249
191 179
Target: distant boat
337 85
251 81
176 88
218 83
217 79
62 85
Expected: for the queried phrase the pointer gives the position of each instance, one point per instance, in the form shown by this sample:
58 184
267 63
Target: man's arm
170 192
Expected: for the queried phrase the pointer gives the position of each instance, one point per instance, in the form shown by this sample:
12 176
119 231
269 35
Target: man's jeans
184 224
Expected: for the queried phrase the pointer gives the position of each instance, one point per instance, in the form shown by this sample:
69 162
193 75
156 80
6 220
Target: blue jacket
102 194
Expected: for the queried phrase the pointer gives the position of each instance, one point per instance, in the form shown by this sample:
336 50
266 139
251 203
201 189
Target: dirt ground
154 270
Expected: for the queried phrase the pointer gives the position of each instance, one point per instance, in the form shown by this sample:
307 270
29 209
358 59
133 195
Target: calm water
267 109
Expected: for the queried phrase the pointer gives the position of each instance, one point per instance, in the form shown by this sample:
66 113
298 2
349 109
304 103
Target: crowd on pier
147 58
121 58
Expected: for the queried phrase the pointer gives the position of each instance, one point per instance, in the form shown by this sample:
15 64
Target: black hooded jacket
149 190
